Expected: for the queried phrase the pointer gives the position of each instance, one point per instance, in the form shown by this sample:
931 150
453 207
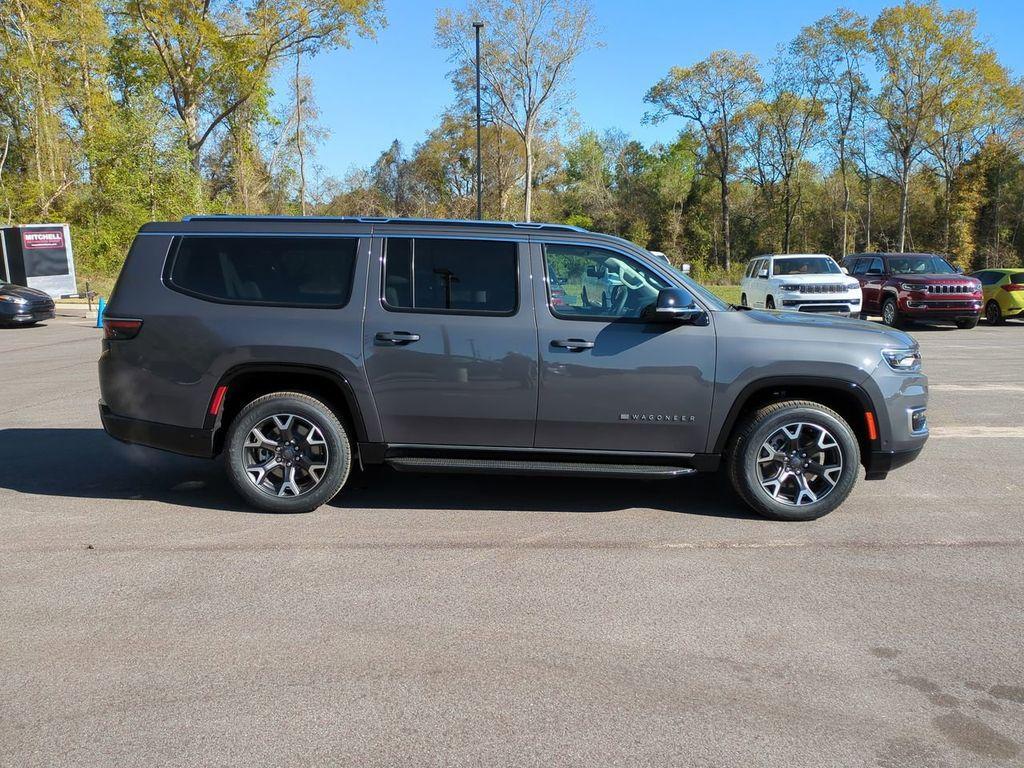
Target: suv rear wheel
287 452
794 460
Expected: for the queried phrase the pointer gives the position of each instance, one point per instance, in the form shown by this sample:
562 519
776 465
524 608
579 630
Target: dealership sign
42 238
39 256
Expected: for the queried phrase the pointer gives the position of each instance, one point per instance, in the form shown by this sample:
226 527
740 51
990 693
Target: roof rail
390 220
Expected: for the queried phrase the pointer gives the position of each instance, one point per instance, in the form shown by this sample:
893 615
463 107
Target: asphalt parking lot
147 618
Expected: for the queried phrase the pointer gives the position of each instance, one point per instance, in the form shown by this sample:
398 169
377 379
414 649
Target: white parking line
976 431
977 387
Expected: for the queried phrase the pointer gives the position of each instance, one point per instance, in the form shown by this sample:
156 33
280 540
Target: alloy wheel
799 464
285 455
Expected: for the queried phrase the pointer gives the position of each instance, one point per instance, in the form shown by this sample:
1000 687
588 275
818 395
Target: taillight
1010 287
118 330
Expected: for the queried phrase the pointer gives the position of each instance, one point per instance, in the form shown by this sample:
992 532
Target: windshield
698 290
814 265
920 265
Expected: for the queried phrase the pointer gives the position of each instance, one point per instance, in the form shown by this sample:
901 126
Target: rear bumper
167 437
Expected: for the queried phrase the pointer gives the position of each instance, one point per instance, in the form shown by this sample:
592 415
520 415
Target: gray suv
303 348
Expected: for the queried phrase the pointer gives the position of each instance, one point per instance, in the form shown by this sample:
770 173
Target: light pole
477 25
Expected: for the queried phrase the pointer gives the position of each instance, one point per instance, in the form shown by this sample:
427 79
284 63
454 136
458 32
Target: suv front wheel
794 460
287 452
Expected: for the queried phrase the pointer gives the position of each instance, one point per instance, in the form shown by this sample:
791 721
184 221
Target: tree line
902 132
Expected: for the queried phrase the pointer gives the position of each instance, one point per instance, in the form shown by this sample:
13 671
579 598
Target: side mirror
598 272
763 273
844 270
874 271
675 305
959 270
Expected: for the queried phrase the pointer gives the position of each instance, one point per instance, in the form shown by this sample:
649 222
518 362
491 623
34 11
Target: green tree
835 49
714 95
527 54
924 54
217 55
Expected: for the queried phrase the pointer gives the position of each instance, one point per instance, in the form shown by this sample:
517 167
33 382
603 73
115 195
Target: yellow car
1003 292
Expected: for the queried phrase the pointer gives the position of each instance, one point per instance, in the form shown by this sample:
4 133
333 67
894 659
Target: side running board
528 467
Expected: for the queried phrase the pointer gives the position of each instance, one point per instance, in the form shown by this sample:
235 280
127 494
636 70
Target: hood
942 278
9 289
815 278
832 328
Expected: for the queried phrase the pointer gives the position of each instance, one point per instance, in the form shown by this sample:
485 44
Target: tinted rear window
459 276
289 271
1017 277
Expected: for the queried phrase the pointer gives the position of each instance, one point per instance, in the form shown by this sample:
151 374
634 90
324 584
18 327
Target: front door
609 380
871 274
450 341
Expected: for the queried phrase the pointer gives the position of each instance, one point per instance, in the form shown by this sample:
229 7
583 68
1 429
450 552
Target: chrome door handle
397 337
574 345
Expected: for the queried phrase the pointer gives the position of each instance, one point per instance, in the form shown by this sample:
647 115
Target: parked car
24 306
915 286
1003 293
300 348
804 283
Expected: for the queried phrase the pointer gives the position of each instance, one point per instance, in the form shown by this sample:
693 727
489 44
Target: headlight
906 360
911 287
791 288
14 299
852 286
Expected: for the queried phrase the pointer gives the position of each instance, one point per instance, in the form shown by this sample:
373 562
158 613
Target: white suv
803 283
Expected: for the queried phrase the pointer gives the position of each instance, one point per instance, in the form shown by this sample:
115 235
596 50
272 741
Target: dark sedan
23 306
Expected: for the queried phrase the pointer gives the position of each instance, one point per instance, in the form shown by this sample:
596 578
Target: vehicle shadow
86 463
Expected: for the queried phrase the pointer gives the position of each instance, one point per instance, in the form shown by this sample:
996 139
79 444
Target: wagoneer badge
654 417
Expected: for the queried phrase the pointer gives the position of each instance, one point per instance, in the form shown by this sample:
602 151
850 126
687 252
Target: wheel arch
248 381
848 398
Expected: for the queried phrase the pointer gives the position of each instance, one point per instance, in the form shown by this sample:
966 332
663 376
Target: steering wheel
630 277
619 298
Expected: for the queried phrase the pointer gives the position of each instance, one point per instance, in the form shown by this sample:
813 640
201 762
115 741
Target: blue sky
396 86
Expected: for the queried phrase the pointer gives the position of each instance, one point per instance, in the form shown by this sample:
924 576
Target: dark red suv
915 286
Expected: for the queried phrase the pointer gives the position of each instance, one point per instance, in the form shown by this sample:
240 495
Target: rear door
450 340
610 381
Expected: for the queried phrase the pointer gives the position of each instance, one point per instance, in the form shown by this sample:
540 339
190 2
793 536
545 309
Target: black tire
891 313
310 410
769 303
745 471
993 314
966 325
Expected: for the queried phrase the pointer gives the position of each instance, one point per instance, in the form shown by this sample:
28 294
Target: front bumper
834 305
167 437
939 309
878 464
27 316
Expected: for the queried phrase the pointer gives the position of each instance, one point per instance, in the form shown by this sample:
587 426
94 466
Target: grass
101 284
729 293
